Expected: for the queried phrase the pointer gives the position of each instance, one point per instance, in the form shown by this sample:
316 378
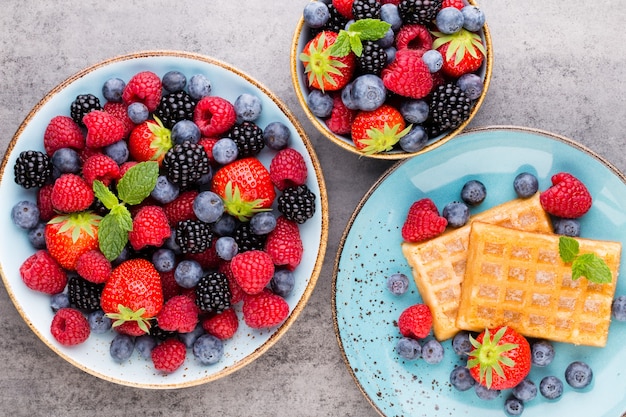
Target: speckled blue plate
365 312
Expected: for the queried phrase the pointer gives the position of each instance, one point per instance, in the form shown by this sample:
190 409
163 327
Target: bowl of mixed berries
389 79
165 219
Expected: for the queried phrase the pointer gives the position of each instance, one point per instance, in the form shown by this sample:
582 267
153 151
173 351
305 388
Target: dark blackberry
83 104
449 107
193 236
366 9
185 163
32 169
418 11
248 137
297 203
213 293
372 59
336 22
246 240
175 107
83 294
158 333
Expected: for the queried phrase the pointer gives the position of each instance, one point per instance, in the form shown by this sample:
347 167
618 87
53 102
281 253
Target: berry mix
152 218
392 75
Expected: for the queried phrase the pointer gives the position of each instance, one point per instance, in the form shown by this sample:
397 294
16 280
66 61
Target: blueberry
578 375
263 223
414 111
225 225
461 343
208 206
551 387
59 301
449 20
368 92
485 393
397 283
471 84
185 130
387 40
525 390
408 348
36 236
433 60
174 81
389 13
276 136
525 184
513 406
117 151
247 107
432 352
282 282
415 140
226 247
618 308
225 151
473 18
67 160
391 54
137 112
164 191
346 97
316 14
542 353
208 349
566 227
144 345
457 213
112 89
164 259
99 323
170 242
473 192
25 214
121 348
320 104
199 86
461 379
190 338
187 273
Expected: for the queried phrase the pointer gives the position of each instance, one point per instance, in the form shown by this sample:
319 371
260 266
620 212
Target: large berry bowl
152 235
390 79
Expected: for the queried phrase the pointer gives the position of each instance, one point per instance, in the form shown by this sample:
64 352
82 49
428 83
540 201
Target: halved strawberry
463 52
323 70
378 130
150 141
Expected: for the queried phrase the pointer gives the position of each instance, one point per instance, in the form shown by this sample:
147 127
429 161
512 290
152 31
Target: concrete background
558 66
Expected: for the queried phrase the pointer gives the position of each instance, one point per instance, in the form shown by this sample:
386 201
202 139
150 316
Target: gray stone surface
558 66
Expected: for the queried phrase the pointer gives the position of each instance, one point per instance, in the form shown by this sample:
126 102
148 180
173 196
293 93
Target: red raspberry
288 169
422 222
344 7
415 321
341 117
178 314
284 244
223 325
207 259
414 37
214 115
181 208
126 166
71 193
41 272
101 167
44 202
252 270
62 132
120 110
103 129
169 355
265 309
236 293
424 204
408 75
93 266
459 4
130 328
150 228
207 144
144 87
169 285
568 197
70 327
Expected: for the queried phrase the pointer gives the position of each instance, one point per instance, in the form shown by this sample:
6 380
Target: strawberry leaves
588 265
490 355
461 42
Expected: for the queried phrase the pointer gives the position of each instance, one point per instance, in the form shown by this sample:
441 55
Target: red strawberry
169 355
44 202
69 236
70 327
71 193
236 293
459 4
245 186
288 169
324 71
62 132
120 110
408 75
264 309
223 325
284 244
378 130
414 37
252 270
93 266
179 314
341 117
102 168
144 87
214 116
501 358
149 141
415 321
568 197
103 129
344 7
463 52
181 208
150 228
422 223
41 272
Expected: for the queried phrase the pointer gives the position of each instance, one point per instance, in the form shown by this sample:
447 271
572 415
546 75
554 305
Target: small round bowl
93 355
302 36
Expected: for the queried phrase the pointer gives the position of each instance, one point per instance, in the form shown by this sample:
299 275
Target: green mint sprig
136 184
588 265
351 40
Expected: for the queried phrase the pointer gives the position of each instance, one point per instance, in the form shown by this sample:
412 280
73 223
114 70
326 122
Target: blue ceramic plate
365 312
93 356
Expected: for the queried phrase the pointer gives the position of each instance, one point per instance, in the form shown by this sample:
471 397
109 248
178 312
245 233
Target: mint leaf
351 40
113 232
356 45
568 249
105 195
342 45
138 182
370 29
592 267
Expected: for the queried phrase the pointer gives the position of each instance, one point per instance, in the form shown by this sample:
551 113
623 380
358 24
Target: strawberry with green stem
378 130
463 52
150 141
70 235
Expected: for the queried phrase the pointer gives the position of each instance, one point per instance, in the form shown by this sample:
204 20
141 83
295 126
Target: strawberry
341 117
150 228
223 325
181 208
120 110
463 52
422 222
323 70
284 244
414 37
41 272
415 321
103 129
69 236
501 358
100 167
71 193
408 75
245 186
149 141
288 169
179 314
70 327
144 87
214 116
344 7
378 130
133 293
62 132
568 197
252 270
169 355
93 266
264 309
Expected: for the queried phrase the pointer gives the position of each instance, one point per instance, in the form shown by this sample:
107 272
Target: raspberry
252 270
130 328
120 110
179 314
422 223
126 166
415 321
144 87
284 244
103 129
265 309
207 144
408 75
169 285
62 132
236 293
344 7
181 208
70 327
102 168
214 116
150 228
93 266
169 355
44 202
223 325
459 4
288 169
208 258
40 272
70 193
568 197
424 204
341 117
414 37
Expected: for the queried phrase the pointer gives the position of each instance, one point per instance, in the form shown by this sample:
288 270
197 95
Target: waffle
438 264
517 278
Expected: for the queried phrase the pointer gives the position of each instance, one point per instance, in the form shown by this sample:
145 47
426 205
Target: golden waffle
439 264
517 278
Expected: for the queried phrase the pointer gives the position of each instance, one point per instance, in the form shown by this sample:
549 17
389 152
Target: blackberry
32 169
247 240
248 137
297 203
366 9
193 236
335 23
213 293
83 104
372 59
175 107
158 333
185 163
418 11
449 108
84 294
